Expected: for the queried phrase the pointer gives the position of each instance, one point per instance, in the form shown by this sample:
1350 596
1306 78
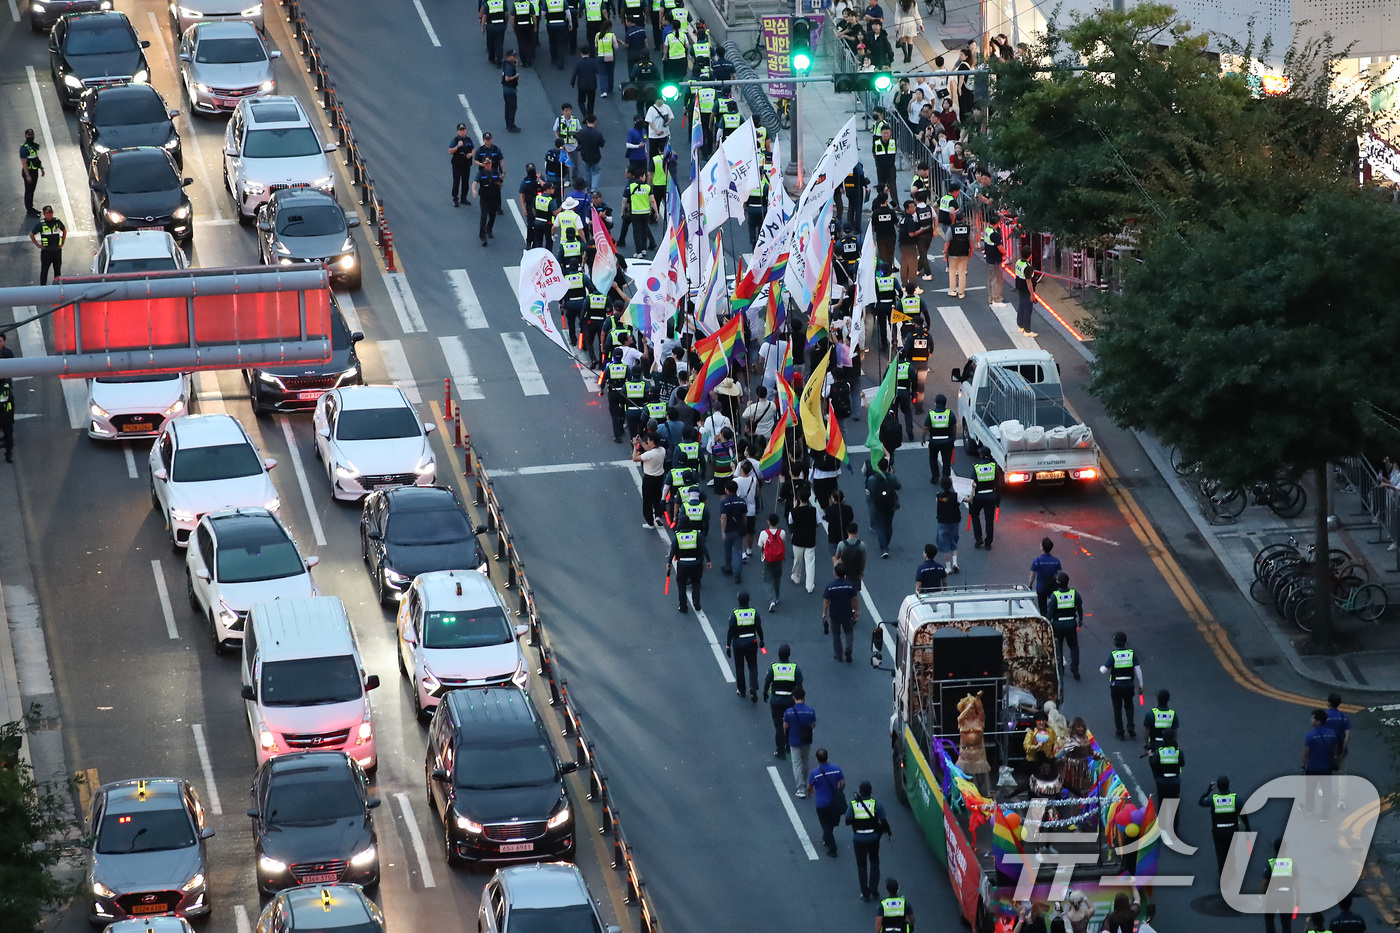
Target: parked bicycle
784 107
1182 465
937 6
1283 575
1283 494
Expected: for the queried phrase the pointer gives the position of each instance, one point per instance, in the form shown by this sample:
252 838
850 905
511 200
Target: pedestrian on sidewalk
800 720
1025 291
460 151
840 612
867 818
931 575
826 785
1044 569
31 169
802 520
877 47
742 642
772 543
49 234
948 515
908 25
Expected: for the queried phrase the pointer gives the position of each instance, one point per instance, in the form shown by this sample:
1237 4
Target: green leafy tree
35 835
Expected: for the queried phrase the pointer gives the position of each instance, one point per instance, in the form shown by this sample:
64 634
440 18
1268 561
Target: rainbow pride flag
835 440
712 373
770 465
725 337
776 318
787 399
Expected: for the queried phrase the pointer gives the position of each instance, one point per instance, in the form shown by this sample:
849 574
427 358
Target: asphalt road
720 843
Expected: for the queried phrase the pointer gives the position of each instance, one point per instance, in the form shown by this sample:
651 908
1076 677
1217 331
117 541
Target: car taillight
1018 477
1086 473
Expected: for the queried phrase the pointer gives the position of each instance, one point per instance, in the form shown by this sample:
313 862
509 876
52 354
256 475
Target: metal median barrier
340 125
1378 498
508 556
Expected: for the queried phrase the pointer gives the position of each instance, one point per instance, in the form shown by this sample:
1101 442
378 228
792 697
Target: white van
304 684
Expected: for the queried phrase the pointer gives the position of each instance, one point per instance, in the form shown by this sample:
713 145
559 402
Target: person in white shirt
761 416
659 117
746 478
773 352
714 423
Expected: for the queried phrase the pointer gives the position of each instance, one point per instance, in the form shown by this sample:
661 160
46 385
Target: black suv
493 776
296 388
311 822
88 50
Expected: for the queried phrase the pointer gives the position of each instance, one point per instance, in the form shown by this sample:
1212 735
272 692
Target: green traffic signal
847 82
670 91
882 81
800 49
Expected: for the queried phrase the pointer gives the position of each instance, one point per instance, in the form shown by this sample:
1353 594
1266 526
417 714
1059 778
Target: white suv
271 144
202 463
369 437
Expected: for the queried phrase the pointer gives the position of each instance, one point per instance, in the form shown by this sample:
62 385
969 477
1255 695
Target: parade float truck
1015 804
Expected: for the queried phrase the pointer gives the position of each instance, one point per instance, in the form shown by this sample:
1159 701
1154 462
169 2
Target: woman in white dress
907 26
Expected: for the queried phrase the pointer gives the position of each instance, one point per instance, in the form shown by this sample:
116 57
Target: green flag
879 407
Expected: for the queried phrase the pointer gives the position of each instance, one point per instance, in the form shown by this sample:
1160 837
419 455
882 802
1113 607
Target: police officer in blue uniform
741 642
940 433
782 678
691 557
1124 675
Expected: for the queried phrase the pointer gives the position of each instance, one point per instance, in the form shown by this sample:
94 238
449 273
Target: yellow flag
898 317
813 428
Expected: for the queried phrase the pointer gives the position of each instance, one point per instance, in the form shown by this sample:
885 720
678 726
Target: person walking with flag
882 496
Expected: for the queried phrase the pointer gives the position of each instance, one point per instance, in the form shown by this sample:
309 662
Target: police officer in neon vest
1166 760
574 300
744 638
692 558
594 315
542 223
986 497
1160 717
493 19
904 387
1225 816
640 208
887 292
556 25
527 29
783 675
895 914
940 434
1281 892
1124 679
1067 619
615 384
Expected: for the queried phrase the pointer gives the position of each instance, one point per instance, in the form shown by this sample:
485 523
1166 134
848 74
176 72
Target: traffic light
644 91
863 81
800 49
670 91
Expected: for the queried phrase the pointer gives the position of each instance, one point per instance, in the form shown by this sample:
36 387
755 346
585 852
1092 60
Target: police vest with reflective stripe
909 304
1064 602
706 96
568 128
901 372
1023 269
985 474
675 47
523 8
30 153
1223 805
1124 660
884 284
688 544
574 280
883 148
572 247
50 233
656 410
617 372
746 620
695 512
593 9
543 205
701 49
690 450
605 43
732 119
940 422
947 203
597 302
639 197
1163 718
1169 756
892 907
658 170
784 678
863 816
987 236
496 12
636 390
1280 868
682 15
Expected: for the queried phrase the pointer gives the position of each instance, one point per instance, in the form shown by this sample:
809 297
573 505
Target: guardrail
1379 501
509 557
340 124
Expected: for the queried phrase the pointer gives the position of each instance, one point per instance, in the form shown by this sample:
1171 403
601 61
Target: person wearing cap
866 817
940 434
49 234
490 178
542 221
31 169
460 150
510 85
692 558
742 642
782 679
1124 674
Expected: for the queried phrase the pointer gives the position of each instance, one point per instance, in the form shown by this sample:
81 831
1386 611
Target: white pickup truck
1011 402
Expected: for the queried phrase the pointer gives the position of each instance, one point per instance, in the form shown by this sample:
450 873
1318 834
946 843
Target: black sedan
296 388
307 225
44 13
140 189
88 50
126 117
312 823
408 530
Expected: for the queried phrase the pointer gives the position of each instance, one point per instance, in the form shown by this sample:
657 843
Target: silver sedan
223 62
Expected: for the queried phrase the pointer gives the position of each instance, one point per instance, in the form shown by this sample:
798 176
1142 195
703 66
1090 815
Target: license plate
144 426
518 847
309 396
1050 474
149 909
225 102
322 878
152 227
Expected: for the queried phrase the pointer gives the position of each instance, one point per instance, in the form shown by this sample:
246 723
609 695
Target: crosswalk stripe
524 362
347 311
513 276
961 328
465 385
396 366
1006 317
405 305
207 391
467 303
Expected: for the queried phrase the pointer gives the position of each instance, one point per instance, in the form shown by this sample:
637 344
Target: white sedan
240 557
203 463
135 406
369 438
455 631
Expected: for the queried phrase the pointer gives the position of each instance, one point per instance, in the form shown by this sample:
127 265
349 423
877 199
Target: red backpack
774 545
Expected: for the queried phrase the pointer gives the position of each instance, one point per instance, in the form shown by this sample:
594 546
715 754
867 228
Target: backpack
886 498
774 545
841 398
853 557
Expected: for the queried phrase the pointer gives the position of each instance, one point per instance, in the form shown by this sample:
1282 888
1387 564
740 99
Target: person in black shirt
461 149
7 407
802 524
884 223
490 175
49 234
991 252
910 230
955 253
510 83
853 192
930 575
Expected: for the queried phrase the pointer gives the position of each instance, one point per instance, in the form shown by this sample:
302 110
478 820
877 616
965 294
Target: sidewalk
1370 660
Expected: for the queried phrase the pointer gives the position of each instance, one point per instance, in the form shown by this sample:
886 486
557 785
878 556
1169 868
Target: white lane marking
295 456
1070 531
956 321
519 217
163 594
347 311
420 851
1006 317
240 919
471 115
211 399
33 345
1122 766
467 302
14 10
870 604
130 459
396 367
715 646
464 382
405 305
561 468
53 164
786 797
75 399
187 134
590 377
423 15
531 380
211 792
513 276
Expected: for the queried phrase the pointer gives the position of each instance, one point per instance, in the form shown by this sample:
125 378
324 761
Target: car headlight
521 676
430 680
172 143
253 188
284 261
202 88
36 7
346 262
176 408
181 515
426 465
142 77
470 826
346 471
71 81
273 505
98 411
105 5
271 380
350 373
559 819
98 147
393 576
115 217
365 733
190 14
255 10
362 858
101 890
271 865
228 613
268 742
283 248
195 882
268 86
325 184
182 212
